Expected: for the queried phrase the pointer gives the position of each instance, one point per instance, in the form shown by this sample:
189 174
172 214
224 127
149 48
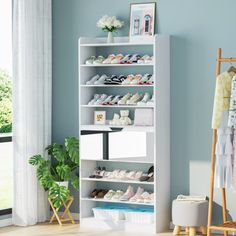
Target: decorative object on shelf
122 120
66 204
60 168
143 117
110 25
142 21
99 117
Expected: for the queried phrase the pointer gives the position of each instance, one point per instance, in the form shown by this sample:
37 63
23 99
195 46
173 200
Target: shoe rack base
159 47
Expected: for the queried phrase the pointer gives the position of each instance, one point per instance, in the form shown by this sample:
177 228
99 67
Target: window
6 171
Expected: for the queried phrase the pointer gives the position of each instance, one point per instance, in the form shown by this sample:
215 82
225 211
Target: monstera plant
62 166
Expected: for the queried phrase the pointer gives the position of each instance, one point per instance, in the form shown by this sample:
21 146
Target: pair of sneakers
97 80
130 99
95 60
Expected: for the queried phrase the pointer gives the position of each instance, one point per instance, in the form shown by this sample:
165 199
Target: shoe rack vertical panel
162 131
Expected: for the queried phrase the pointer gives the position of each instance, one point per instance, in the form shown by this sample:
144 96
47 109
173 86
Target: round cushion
187 213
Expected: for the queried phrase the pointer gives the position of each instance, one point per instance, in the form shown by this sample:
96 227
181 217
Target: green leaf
58 195
63 171
72 147
36 160
57 151
75 183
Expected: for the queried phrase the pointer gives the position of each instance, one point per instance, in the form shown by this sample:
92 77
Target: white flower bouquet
109 24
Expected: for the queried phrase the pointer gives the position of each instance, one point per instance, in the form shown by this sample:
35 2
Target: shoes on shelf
93 79
136 79
128 79
151 102
145 99
151 80
108 100
146 59
137 195
90 60
134 99
101 193
99 60
124 99
134 59
101 99
128 194
95 98
115 100
117 59
126 59
109 59
149 176
101 80
118 194
109 195
144 79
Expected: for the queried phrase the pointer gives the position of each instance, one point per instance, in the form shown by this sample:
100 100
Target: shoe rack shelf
159 47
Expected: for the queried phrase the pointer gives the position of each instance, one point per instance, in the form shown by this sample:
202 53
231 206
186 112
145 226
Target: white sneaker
107 100
124 99
145 99
95 98
128 194
137 195
101 99
115 100
134 99
101 80
93 79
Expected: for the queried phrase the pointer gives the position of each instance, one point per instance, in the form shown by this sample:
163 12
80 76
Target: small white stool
190 215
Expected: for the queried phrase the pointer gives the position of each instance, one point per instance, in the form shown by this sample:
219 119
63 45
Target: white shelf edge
122 161
117 106
117 181
117 86
115 65
113 201
116 44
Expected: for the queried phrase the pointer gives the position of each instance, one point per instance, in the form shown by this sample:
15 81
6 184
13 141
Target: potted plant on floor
61 168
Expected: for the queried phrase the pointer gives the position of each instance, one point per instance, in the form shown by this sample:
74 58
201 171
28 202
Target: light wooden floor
66 230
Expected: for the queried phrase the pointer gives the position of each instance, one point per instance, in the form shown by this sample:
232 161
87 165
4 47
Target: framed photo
142 21
99 117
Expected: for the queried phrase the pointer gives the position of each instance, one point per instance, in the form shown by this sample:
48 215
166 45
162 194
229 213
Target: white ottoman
190 215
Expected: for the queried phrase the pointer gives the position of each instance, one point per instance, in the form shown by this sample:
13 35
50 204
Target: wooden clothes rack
226 226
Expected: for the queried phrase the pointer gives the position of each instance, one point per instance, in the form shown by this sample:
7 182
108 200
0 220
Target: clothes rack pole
226 226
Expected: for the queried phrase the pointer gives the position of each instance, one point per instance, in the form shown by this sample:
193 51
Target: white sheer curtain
32 79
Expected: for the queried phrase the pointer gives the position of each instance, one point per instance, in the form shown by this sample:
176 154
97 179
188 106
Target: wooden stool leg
55 213
177 230
192 231
203 229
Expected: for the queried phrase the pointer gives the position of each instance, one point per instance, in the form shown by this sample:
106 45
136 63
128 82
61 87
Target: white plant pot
110 38
64 183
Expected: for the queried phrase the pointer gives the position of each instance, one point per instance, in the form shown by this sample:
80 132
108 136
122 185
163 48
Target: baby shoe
117 59
107 100
115 100
101 99
118 194
109 195
125 59
93 79
101 80
134 59
134 99
109 59
151 102
136 79
99 60
145 78
128 79
145 99
124 99
137 195
95 98
128 194
90 60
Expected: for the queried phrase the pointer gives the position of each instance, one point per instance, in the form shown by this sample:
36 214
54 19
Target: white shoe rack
159 47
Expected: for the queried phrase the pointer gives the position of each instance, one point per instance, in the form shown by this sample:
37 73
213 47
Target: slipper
99 60
90 60
93 79
109 59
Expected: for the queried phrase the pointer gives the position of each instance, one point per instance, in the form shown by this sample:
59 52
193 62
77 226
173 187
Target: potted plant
61 167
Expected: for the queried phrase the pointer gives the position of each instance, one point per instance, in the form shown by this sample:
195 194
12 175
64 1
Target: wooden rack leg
224 209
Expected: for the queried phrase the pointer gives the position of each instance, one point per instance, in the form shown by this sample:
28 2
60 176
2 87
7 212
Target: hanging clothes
234 161
224 154
232 107
222 97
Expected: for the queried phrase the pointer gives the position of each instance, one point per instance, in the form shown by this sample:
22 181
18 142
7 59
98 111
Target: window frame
5 138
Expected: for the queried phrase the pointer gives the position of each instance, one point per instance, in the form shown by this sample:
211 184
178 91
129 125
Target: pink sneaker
128 194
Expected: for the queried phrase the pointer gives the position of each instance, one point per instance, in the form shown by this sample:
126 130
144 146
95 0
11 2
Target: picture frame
142 21
99 117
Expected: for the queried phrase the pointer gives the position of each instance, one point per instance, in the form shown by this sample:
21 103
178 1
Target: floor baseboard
5 222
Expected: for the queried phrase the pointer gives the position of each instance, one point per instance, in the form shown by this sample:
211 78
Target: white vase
110 38
64 183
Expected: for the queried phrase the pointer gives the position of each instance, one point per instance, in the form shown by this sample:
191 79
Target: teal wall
198 29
